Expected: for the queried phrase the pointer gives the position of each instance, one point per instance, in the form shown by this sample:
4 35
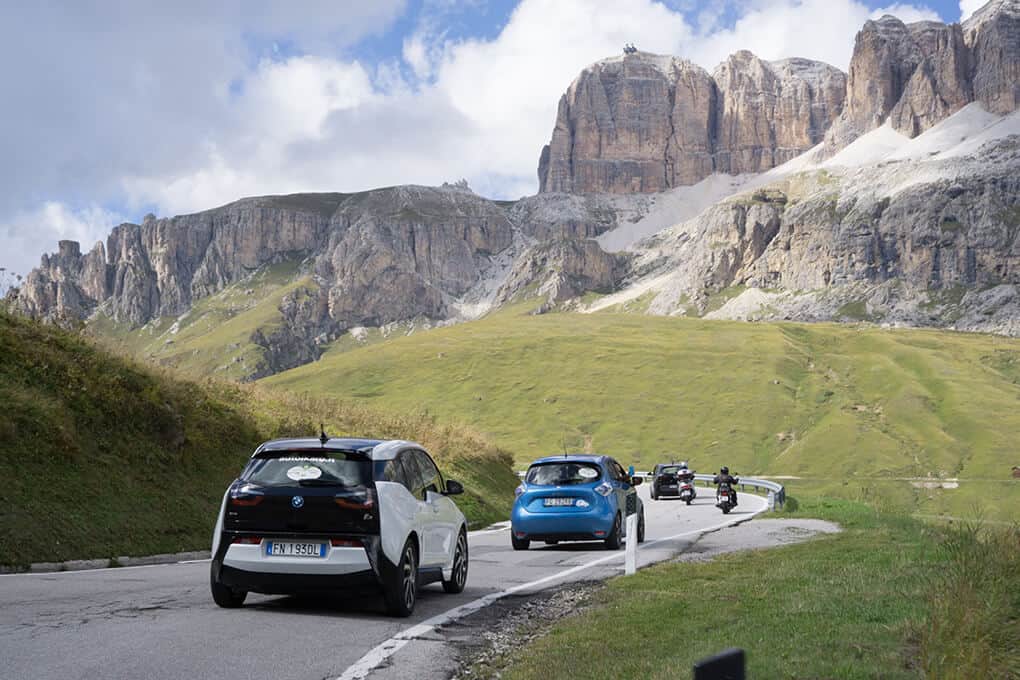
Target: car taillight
345 543
246 501
247 540
362 500
604 489
519 490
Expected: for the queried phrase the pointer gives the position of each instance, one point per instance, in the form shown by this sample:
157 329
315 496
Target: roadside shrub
973 626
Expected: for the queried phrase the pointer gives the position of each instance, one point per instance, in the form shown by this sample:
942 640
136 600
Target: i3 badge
297 501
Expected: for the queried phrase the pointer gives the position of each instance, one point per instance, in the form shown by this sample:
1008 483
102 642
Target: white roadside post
631 559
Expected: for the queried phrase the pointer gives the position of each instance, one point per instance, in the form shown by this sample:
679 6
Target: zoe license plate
291 549
551 502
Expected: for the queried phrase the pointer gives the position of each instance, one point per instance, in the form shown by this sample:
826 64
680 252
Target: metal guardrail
776 491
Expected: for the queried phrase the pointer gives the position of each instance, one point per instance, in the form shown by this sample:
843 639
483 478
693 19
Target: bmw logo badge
297 501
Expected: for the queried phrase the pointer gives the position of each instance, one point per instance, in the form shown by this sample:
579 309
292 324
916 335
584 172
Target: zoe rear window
290 469
563 474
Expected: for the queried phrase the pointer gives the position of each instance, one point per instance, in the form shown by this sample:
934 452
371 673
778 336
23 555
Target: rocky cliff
916 75
370 259
889 239
643 123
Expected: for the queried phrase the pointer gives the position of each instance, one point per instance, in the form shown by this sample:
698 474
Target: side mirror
635 481
453 488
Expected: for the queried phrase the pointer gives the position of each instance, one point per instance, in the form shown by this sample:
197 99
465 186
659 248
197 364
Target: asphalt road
159 622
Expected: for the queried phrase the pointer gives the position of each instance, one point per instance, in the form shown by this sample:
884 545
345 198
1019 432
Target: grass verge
815 401
102 457
889 597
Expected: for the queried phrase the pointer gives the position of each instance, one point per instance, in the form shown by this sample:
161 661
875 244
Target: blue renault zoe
575 498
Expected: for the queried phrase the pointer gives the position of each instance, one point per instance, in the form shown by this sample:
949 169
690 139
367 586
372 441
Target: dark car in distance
664 480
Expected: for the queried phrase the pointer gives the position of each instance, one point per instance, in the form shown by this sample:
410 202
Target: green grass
215 336
886 598
101 456
860 405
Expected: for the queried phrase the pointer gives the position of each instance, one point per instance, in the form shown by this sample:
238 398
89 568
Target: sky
112 110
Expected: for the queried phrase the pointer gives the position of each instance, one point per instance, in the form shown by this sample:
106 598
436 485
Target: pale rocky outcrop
644 123
769 113
914 76
993 35
562 269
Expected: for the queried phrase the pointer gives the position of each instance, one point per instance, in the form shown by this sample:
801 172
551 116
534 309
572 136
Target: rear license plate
292 549
550 502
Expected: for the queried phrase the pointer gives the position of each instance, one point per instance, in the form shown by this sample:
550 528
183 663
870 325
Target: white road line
376 656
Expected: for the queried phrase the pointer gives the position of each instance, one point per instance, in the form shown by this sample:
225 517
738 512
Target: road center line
376 656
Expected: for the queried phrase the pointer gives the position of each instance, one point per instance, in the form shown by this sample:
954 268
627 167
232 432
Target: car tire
652 494
401 589
519 543
458 575
224 595
613 541
641 527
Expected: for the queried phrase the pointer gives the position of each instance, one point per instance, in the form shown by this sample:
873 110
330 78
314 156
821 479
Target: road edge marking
375 657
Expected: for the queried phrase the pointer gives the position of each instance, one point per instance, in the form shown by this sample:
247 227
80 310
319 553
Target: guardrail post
631 558
772 501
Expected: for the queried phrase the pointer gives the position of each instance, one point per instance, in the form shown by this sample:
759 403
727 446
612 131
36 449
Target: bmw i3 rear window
563 474
333 468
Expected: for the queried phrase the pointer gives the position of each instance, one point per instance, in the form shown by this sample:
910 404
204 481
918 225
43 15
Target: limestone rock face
563 269
772 112
940 84
916 75
993 35
379 256
393 254
856 236
644 123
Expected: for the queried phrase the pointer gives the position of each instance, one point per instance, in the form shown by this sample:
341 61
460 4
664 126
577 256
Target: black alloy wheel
458 579
401 592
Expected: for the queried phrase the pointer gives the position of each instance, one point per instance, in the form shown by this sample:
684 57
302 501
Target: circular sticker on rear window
299 472
588 473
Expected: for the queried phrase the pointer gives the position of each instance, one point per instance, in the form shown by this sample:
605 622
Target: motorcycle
687 491
725 498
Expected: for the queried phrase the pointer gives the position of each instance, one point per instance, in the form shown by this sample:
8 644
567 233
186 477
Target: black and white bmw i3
312 515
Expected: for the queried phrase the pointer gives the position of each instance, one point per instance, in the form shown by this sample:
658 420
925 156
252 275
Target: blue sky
113 111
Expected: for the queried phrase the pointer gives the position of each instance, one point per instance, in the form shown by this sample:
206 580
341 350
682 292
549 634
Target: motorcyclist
724 477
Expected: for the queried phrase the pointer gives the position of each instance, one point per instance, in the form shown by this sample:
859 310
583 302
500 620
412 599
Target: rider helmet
724 470
683 465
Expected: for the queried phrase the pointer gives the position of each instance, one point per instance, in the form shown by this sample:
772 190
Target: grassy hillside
214 337
103 457
869 407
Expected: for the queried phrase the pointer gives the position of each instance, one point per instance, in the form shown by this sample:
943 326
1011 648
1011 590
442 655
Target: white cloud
968 7
174 109
908 14
38 231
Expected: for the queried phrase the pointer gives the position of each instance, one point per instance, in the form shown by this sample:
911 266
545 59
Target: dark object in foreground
726 665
